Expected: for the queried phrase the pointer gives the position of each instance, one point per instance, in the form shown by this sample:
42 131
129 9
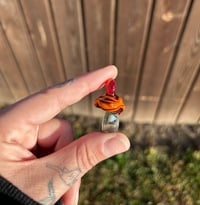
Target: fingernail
116 145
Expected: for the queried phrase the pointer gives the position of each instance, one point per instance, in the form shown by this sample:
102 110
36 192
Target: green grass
144 177
163 167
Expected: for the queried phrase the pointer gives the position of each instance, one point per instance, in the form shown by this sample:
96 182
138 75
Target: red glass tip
110 87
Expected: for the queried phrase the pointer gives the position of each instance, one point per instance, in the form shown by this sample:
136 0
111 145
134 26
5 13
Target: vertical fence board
19 40
168 19
69 25
10 70
98 24
154 43
191 110
6 95
98 17
132 25
41 26
184 70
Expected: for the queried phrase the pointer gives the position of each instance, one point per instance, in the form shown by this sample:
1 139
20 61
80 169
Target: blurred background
156 46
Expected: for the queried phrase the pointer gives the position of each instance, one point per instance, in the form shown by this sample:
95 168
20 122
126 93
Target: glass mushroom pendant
112 104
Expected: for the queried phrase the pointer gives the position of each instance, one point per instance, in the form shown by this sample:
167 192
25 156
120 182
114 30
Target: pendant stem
110 122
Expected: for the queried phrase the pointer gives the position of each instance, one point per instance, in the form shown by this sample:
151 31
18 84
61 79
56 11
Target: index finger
46 104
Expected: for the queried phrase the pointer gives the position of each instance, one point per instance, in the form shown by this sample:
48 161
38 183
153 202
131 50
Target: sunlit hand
37 153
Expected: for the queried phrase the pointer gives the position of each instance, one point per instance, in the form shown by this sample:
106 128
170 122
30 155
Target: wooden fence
154 43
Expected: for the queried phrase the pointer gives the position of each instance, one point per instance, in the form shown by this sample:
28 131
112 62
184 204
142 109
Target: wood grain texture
69 26
191 110
168 20
17 34
6 95
154 43
70 31
184 70
10 71
133 19
98 16
41 26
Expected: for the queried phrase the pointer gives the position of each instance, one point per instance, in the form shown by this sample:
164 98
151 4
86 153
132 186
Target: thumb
60 170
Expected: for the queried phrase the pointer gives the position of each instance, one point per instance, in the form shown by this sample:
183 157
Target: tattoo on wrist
68 176
50 199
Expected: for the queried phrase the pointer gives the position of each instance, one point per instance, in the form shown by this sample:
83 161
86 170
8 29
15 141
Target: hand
37 153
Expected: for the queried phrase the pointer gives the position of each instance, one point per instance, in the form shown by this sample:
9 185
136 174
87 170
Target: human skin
37 150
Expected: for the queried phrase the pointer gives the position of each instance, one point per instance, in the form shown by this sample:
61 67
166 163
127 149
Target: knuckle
84 88
87 157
